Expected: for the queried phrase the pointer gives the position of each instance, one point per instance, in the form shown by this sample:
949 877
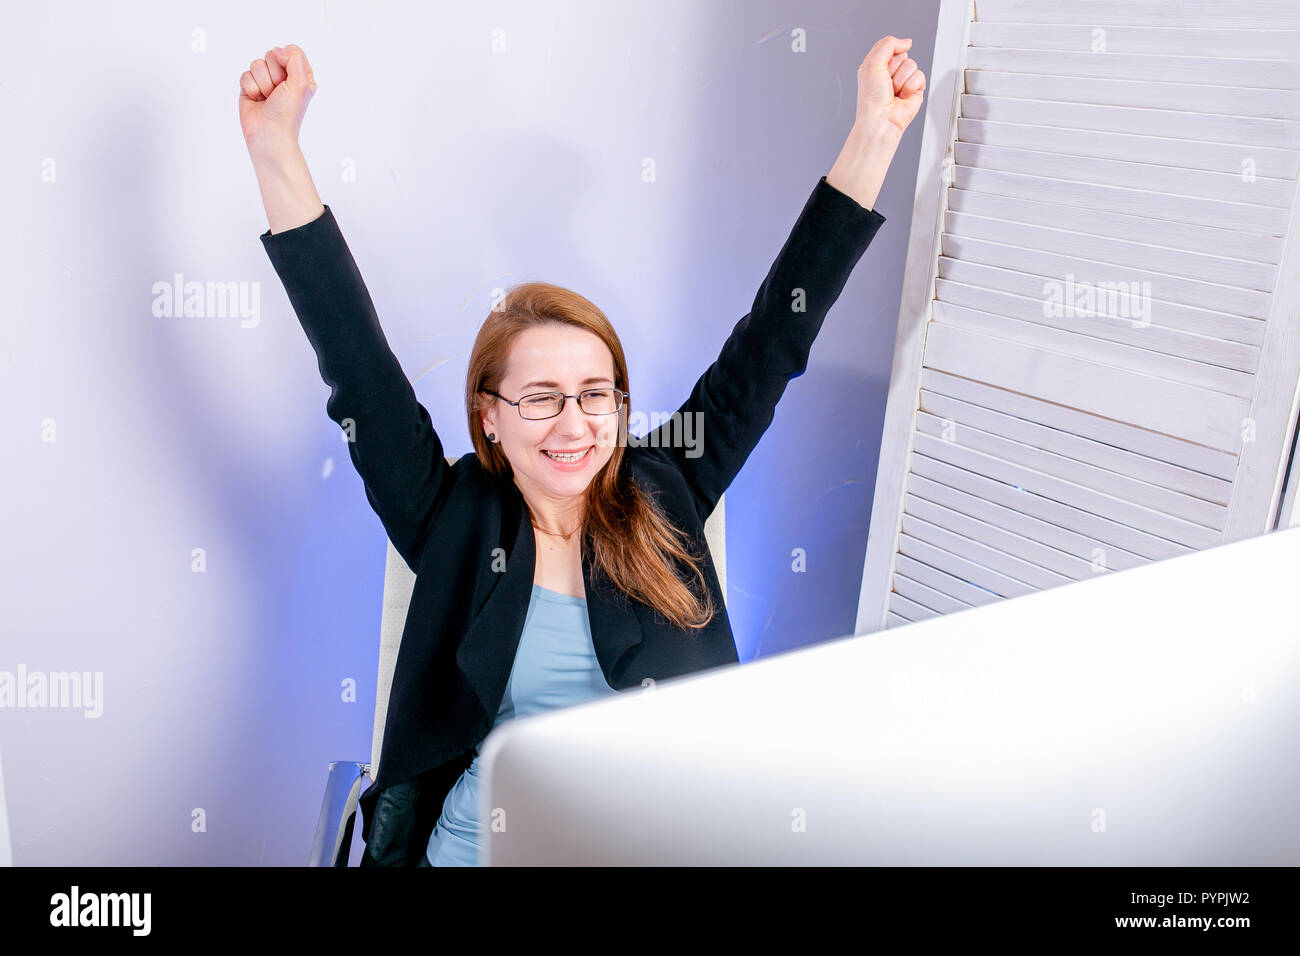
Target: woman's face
555 358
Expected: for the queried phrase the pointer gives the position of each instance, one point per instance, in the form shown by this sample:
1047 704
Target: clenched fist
890 90
890 85
273 95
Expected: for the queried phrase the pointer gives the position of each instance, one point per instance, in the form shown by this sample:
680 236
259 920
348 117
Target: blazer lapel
487 652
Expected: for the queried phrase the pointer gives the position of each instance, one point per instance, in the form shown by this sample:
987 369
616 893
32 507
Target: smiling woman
563 450
559 562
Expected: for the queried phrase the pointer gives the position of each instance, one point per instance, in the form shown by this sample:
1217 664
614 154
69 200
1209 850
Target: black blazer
465 618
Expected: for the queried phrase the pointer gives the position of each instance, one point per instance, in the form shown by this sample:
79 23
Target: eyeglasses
593 401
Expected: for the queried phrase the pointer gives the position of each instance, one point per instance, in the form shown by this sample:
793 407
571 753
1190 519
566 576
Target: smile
567 458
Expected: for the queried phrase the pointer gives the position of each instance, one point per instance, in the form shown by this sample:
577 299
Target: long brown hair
628 536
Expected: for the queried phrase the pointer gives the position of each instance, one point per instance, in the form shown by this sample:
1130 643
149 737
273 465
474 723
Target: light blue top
555 666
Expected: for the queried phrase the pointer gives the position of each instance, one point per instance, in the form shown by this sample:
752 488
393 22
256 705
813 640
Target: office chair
347 779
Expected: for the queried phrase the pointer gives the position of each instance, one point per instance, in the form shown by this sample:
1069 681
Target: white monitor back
1147 717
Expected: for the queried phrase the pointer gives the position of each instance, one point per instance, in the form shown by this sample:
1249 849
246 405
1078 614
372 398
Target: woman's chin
562 483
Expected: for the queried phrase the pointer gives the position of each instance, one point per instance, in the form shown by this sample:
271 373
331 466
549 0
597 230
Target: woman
609 585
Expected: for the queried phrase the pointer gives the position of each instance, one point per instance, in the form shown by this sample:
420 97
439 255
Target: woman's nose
573 420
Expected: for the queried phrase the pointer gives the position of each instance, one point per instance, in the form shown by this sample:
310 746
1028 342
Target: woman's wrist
288 193
274 150
859 170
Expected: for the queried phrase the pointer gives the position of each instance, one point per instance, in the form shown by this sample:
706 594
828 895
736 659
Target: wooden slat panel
1111 354
935 126
1159 524
1027 526
943 582
1092 147
893 619
1126 331
1096 526
960 567
1157 13
1064 239
1197 458
1128 147
1212 127
1104 481
1183 411
1032 552
979 553
1174 315
1191 237
1248 217
915 612
1120 460
1082 37
1262 473
1228 186
1248 303
927 596
1222 100
1224 70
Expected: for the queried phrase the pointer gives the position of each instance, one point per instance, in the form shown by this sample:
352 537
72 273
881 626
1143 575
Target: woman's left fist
891 87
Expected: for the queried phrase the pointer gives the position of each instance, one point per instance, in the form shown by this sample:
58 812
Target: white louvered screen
1034 436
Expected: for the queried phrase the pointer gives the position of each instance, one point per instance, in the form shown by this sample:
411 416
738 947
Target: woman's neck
558 516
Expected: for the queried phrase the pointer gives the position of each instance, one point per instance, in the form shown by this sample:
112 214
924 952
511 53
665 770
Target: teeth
564 458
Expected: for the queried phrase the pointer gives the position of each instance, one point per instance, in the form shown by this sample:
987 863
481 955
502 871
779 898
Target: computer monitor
1143 717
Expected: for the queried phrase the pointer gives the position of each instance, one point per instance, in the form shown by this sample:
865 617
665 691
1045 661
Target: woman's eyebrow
585 381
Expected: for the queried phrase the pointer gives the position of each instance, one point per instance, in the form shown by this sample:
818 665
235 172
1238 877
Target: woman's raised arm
391 439
273 97
734 401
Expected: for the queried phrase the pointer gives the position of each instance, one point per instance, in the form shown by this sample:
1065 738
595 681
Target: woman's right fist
273 95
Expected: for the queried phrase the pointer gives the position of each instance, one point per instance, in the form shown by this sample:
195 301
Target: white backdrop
184 535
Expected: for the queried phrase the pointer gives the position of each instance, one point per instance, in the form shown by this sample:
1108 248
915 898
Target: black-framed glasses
593 401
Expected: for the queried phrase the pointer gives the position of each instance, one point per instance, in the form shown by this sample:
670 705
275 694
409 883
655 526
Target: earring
492 436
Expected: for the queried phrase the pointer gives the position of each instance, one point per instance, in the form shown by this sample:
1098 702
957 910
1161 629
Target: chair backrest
399 580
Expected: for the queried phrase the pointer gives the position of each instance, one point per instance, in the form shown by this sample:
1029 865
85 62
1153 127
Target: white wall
124 166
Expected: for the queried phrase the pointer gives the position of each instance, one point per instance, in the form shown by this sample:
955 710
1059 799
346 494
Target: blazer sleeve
736 396
393 446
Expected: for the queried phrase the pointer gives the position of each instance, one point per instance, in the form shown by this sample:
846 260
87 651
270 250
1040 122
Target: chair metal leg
333 841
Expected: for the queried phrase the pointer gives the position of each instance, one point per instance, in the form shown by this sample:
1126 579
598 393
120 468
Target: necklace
558 534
